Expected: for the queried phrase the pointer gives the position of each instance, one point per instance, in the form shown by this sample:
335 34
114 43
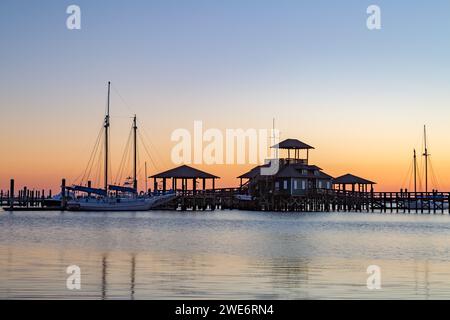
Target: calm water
223 254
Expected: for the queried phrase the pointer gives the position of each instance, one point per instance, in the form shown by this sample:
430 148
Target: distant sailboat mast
106 126
426 155
415 171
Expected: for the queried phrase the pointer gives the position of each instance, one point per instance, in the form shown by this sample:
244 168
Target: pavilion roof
292 144
351 179
186 172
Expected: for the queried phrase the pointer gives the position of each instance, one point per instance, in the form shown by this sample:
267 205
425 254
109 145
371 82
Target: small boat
116 197
56 200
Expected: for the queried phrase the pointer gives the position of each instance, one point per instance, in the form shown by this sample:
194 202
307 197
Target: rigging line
127 165
148 154
92 158
434 179
137 165
146 135
123 100
408 174
94 164
122 161
97 163
98 168
82 172
82 175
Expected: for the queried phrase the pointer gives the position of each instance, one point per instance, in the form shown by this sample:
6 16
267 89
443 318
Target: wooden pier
318 200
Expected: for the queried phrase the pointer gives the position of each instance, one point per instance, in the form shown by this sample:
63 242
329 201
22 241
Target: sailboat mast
106 126
426 158
415 171
134 154
146 186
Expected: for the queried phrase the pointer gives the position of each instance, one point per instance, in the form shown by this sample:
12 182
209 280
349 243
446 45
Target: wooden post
448 201
406 194
89 186
63 194
26 196
396 201
11 194
409 202
421 206
372 204
194 192
164 185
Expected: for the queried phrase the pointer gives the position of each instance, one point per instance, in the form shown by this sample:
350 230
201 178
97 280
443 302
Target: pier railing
229 198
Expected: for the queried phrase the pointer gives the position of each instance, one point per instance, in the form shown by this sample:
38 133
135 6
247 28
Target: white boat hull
118 204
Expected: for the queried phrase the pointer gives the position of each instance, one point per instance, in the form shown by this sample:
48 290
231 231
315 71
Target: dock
317 200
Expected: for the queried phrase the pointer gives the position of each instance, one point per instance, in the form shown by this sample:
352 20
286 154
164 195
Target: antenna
274 138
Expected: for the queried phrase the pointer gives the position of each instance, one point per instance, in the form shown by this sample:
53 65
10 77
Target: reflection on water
223 255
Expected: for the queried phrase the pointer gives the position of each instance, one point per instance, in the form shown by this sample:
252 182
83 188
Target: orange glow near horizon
39 162
359 96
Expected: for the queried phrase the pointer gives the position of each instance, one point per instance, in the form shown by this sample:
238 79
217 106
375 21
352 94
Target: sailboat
425 200
116 197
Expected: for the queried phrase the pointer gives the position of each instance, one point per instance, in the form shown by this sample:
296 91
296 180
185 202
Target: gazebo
184 174
352 180
296 146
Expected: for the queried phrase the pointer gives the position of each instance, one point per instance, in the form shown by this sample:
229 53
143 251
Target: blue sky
311 64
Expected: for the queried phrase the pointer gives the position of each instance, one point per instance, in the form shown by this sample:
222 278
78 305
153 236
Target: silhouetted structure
353 181
184 174
294 177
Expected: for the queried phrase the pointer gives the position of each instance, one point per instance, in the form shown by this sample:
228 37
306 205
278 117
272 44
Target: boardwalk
235 198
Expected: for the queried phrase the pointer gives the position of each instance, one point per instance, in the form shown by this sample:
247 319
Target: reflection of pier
104 284
104 272
133 276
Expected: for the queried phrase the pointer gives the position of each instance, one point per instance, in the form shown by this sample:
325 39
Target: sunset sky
360 97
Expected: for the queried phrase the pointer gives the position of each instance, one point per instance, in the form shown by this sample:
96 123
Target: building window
277 186
328 185
285 186
303 184
295 184
304 172
320 184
